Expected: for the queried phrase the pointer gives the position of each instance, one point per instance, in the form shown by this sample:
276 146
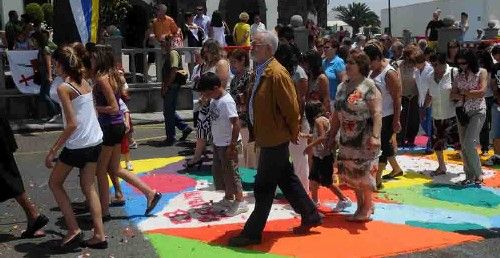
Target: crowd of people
341 103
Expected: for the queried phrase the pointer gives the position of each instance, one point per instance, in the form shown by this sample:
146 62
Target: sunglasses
453 47
462 63
351 62
319 46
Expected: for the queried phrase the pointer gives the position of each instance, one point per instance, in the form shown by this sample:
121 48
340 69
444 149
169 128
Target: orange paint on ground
341 238
493 181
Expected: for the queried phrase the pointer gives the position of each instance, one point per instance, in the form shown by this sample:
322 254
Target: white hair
270 39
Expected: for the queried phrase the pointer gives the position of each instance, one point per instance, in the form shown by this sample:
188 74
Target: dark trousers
409 120
426 123
172 119
274 170
45 97
484 136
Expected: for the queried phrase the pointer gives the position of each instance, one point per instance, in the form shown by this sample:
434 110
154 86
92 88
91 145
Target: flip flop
117 203
359 220
38 224
153 204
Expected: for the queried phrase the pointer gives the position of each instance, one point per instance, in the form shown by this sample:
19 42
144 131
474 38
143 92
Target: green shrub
48 14
35 11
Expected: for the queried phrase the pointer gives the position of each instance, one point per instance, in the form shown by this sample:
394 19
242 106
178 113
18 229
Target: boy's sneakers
342 205
133 145
494 160
129 166
222 205
236 208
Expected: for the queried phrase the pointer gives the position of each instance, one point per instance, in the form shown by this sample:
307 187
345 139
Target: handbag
462 117
181 75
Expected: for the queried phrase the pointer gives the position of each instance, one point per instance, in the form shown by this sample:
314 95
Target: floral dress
357 163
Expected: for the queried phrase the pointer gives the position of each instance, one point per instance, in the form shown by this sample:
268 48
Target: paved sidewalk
33 125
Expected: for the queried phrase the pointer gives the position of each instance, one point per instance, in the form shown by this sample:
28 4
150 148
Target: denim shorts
495 116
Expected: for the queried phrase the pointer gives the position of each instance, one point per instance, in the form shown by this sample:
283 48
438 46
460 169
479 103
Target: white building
415 17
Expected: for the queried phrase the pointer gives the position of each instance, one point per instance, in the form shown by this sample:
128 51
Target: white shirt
257 28
387 101
221 112
422 79
442 106
88 132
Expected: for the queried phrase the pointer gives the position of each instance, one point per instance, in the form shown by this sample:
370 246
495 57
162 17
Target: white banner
23 66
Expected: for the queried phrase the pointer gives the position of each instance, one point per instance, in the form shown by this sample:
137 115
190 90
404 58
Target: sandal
37 224
438 172
117 203
153 203
465 182
359 220
478 182
392 175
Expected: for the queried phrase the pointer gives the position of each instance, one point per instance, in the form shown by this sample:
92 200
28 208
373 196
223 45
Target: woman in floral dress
358 117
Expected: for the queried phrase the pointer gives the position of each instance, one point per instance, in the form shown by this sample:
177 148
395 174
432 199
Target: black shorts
112 134
444 133
322 170
385 139
79 157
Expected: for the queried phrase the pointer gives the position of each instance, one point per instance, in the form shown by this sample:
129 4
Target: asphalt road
124 239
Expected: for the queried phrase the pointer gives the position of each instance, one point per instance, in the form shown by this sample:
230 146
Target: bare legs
198 152
109 162
56 181
87 183
28 207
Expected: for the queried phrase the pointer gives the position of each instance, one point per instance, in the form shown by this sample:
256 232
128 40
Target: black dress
11 183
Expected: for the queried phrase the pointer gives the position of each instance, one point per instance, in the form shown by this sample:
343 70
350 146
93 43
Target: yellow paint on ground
409 179
451 156
146 165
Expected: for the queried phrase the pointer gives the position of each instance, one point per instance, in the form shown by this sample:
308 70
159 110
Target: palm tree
357 15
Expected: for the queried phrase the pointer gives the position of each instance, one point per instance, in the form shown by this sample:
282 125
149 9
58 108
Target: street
413 214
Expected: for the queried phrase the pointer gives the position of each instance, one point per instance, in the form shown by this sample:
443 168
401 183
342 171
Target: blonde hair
244 16
70 61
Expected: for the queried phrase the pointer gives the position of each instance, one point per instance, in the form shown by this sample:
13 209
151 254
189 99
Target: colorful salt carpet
413 213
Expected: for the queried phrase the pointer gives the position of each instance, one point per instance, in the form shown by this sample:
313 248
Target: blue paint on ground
481 197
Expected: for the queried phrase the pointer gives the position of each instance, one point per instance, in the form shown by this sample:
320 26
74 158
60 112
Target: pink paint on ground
421 141
167 183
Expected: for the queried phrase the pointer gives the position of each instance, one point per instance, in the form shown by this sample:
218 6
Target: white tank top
387 101
219 35
88 132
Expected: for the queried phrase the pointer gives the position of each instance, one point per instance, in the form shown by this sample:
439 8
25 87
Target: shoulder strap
74 88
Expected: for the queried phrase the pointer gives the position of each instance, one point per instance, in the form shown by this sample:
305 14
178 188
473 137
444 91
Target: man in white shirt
423 72
257 26
201 19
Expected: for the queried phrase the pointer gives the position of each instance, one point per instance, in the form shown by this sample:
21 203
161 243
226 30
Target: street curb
137 119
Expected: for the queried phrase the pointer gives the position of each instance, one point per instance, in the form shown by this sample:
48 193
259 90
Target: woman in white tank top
217 29
81 139
387 81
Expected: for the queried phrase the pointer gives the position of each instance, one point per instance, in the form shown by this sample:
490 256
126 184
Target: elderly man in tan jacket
274 119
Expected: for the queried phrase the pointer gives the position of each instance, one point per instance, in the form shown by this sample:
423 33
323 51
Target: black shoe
305 228
39 223
241 241
153 204
185 134
189 165
98 245
167 143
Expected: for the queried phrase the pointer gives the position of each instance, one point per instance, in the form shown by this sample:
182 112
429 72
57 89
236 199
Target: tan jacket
275 107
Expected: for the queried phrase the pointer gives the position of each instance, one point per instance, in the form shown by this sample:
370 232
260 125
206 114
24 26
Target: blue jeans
426 124
172 119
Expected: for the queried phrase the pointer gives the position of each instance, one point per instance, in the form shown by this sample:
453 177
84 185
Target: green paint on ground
177 247
247 177
468 196
416 195
444 226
